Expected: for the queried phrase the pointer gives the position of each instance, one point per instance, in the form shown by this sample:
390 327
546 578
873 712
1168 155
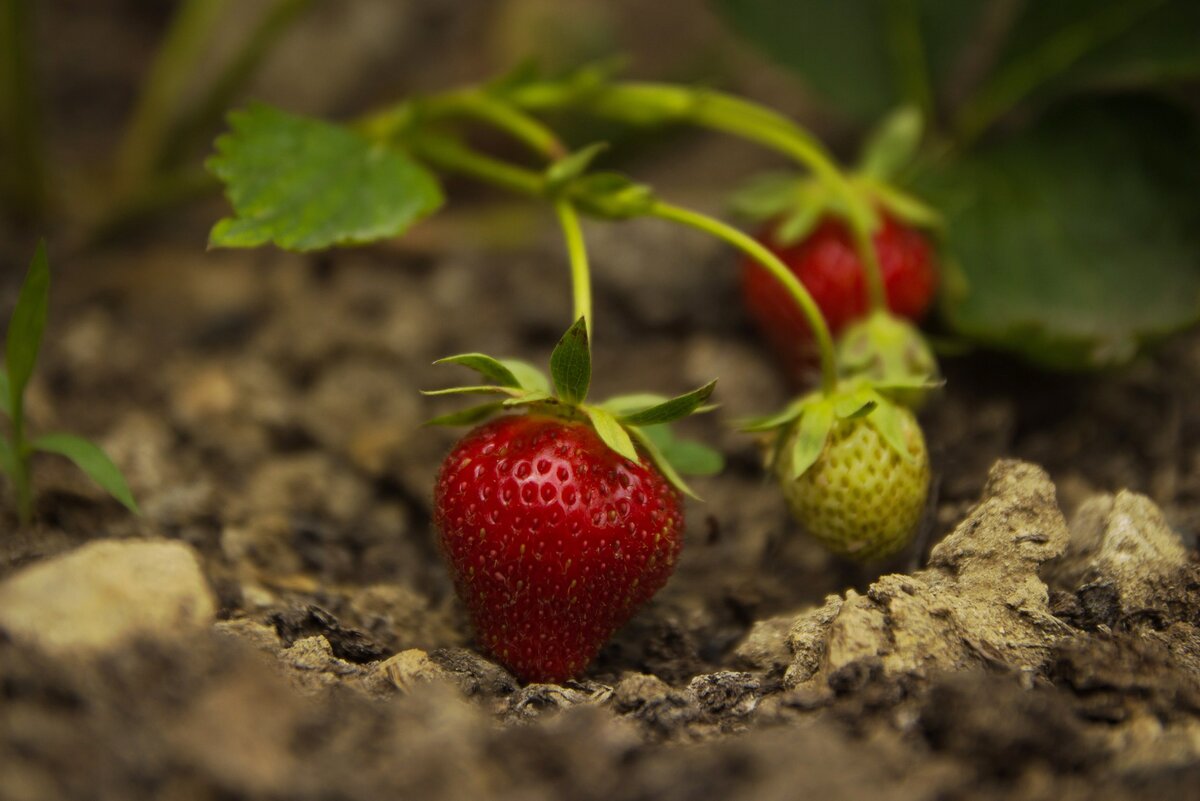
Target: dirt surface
265 410
300 637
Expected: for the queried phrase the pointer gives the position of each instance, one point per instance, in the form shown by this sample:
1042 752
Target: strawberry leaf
777 420
1076 243
530 398
5 393
571 364
661 462
855 404
491 369
304 184
886 419
623 405
902 205
674 409
611 196
93 461
799 223
482 389
567 169
687 456
8 457
893 144
528 377
611 432
25 327
466 417
814 428
768 195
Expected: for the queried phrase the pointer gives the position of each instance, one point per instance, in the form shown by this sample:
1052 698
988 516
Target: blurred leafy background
1061 139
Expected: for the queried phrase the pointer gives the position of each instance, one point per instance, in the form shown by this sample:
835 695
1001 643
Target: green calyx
626 424
799 202
814 416
891 354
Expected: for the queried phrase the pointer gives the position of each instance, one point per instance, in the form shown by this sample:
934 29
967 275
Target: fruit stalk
457 158
778 270
581 283
640 103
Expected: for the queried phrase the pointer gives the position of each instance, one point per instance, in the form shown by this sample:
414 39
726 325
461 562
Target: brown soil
265 410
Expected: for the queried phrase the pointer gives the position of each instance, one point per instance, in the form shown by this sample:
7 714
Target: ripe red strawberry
554 539
827 263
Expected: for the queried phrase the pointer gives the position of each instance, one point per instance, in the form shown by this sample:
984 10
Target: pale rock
979 602
105 593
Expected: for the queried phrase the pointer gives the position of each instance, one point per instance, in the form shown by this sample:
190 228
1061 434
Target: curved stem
654 103
451 156
581 282
752 248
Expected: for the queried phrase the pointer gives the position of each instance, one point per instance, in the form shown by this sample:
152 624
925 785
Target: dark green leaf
814 428
492 369
674 409
1071 45
846 50
893 144
8 457
91 460
466 417
305 184
1078 241
660 461
687 456
611 432
5 393
528 377
26 325
571 364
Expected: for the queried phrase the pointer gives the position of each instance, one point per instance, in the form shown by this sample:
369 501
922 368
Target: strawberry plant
560 517
1058 159
23 342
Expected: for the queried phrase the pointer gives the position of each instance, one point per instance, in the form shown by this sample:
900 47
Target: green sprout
24 340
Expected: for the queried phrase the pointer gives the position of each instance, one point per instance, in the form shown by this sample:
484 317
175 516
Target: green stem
654 103
24 184
752 248
478 104
452 156
194 124
581 283
1054 56
142 143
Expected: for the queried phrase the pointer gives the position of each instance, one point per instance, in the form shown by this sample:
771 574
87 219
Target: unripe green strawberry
861 498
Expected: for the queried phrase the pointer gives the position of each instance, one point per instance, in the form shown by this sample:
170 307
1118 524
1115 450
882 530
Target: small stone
105 593
409 669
